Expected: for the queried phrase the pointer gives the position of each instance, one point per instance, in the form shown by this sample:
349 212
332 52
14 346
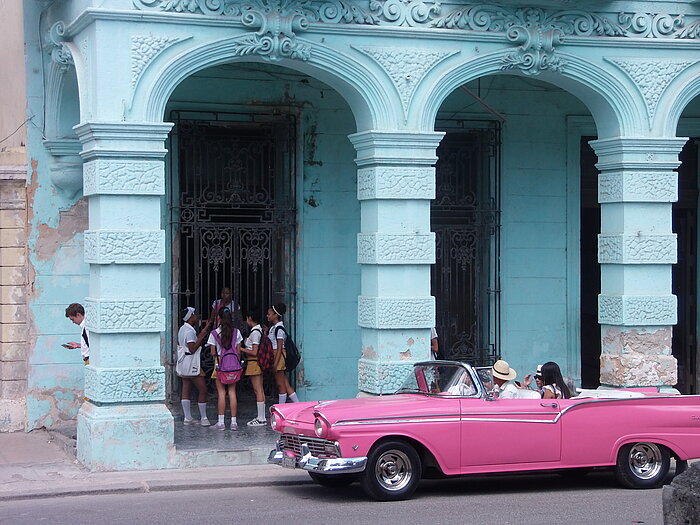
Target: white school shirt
554 389
254 337
273 335
84 347
212 342
186 334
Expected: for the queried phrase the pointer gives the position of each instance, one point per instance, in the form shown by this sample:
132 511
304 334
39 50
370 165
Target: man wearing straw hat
503 376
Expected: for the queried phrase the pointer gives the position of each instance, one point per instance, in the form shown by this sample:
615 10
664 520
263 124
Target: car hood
398 405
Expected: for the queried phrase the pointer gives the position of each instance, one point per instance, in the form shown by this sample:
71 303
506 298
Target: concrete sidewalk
37 465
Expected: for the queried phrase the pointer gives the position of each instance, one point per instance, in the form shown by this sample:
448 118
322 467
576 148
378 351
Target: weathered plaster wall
534 187
328 212
57 274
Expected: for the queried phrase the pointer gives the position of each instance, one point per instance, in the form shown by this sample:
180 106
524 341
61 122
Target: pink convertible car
443 419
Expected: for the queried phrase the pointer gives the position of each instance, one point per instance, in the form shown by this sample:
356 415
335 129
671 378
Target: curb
146 487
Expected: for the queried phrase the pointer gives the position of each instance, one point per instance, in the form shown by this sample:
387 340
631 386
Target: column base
637 356
125 437
382 377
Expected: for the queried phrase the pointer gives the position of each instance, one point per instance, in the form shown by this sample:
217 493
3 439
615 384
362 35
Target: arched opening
516 230
261 197
685 271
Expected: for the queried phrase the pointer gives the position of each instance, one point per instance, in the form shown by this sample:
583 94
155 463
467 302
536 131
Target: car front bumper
313 464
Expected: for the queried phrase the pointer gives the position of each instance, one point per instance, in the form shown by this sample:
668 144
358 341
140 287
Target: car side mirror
490 396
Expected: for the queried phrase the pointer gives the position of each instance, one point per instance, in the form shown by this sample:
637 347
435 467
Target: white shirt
186 334
554 389
84 347
254 337
273 335
212 341
508 390
433 335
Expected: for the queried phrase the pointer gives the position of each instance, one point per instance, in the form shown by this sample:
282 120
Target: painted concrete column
125 424
395 184
636 251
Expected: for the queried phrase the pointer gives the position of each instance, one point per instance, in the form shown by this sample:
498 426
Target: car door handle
553 405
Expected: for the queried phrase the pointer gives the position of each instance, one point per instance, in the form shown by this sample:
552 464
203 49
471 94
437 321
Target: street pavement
37 465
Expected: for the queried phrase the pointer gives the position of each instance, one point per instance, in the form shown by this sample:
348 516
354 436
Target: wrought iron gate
465 219
233 209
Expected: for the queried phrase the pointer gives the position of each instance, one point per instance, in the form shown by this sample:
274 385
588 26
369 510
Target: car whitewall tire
393 471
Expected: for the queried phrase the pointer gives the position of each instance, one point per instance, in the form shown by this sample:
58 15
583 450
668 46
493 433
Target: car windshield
439 379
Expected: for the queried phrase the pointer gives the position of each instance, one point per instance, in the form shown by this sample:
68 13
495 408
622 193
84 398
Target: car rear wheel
393 471
642 465
333 481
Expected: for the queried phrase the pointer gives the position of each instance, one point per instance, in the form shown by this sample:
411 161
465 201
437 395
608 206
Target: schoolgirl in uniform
277 337
253 370
187 337
226 333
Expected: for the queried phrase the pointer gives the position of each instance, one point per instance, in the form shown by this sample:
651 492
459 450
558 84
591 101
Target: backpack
266 355
293 356
229 370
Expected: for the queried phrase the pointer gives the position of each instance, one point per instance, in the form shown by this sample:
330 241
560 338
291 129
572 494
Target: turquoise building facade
571 125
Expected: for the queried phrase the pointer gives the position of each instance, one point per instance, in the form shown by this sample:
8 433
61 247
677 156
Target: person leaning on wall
76 313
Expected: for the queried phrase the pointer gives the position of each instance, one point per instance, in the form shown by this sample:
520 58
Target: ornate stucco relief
405 66
125 315
382 377
125 247
144 49
637 310
639 249
58 48
142 177
378 248
119 385
396 312
630 186
396 182
651 76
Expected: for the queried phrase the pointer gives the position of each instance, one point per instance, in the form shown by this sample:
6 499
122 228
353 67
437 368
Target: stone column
636 251
395 184
13 278
124 424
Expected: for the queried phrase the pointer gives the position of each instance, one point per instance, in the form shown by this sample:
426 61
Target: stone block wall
13 279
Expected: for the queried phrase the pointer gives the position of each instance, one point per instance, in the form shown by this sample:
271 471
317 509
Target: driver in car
503 376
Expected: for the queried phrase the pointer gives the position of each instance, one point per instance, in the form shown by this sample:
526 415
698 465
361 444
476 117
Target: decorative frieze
124 247
382 377
144 49
123 385
405 66
633 186
123 177
651 76
378 248
125 315
396 312
637 310
396 182
637 249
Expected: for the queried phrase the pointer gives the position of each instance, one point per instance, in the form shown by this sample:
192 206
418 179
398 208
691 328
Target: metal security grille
465 219
232 204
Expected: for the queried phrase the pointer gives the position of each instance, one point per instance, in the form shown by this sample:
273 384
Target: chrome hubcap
393 470
645 460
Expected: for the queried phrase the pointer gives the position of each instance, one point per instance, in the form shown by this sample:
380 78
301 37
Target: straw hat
502 370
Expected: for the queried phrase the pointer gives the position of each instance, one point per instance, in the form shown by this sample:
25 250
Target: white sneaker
257 422
187 421
218 426
234 426
205 422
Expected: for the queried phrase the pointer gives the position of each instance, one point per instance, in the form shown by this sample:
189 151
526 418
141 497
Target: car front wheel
642 465
393 471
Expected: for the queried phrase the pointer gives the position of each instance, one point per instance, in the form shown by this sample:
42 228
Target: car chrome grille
319 448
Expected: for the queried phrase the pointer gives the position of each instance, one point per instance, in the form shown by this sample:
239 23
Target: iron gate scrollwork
232 204
465 219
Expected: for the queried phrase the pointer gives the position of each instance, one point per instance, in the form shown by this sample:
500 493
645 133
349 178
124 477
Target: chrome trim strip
446 419
382 419
320 465
499 420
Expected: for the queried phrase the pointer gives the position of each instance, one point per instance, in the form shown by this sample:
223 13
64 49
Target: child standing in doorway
228 336
253 370
277 336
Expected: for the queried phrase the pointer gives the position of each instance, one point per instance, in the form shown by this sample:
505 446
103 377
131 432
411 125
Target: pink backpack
229 370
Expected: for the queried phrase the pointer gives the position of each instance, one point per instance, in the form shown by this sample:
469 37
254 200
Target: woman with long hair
553 384
277 336
252 369
228 336
187 337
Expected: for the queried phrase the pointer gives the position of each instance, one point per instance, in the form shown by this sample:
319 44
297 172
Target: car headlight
273 421
318 427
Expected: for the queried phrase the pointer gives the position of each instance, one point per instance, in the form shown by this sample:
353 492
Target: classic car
444 420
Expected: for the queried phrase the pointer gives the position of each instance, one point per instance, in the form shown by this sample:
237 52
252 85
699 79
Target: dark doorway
684 272
590 269
232 204
465 219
